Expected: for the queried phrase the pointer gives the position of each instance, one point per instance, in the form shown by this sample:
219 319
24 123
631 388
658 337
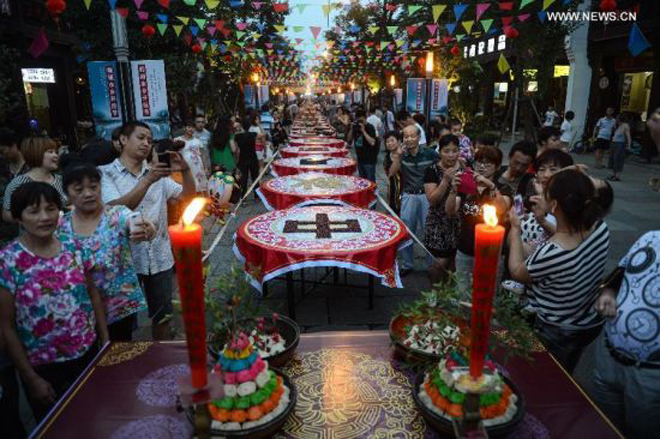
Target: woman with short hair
51 314
40 154
107 232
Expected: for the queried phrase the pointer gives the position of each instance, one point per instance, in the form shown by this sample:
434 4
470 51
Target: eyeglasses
483 164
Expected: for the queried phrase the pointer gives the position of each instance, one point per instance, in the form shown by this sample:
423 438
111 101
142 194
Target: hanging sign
439 97
416 95
106 97
150 96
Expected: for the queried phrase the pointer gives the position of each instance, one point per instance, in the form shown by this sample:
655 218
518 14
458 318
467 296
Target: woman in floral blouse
49 307
105 231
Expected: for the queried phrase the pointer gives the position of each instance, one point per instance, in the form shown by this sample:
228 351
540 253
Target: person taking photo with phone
365 141
470 190
133 182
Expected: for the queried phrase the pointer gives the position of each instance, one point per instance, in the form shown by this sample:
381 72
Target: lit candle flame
192 210
490 215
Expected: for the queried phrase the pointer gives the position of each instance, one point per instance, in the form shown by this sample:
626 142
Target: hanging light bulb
429 62
392 81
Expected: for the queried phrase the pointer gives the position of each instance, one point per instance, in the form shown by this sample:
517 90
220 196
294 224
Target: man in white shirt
550 117
603 134
201 132
567 130
375 121
133 182
389 119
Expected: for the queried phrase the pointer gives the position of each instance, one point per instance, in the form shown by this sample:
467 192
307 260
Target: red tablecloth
313 187
316 141
281 241
327 165
307 150
348 385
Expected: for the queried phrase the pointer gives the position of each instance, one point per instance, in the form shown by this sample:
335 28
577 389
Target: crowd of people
557 239
85 246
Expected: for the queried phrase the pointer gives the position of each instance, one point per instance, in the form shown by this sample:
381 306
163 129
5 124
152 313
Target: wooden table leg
290 296
335 274
371 292
264 290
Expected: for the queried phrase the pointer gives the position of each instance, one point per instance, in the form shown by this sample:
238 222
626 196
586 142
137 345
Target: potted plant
232 300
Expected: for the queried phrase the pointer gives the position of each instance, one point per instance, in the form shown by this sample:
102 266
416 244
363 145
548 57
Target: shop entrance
636 93
35 84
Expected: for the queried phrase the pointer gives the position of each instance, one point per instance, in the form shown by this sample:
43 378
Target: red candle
187 248
488 247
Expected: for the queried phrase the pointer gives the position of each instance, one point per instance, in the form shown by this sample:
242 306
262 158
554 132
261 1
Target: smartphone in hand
468 184
164 157
518 204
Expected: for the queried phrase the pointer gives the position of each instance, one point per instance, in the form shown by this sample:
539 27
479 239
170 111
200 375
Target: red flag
39 44
164 3
506 21
280 7
122 11
315 31
506 6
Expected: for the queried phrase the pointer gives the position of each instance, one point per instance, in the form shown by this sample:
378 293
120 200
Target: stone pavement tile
326 328
351 311
311 311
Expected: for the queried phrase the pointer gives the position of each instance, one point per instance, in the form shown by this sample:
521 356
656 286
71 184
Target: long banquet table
349 386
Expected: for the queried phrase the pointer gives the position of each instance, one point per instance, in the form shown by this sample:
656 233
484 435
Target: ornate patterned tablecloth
317 141
348 386
314 163
307 150
313 187
281 241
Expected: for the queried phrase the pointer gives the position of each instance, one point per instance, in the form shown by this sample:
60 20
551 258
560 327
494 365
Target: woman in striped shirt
564 273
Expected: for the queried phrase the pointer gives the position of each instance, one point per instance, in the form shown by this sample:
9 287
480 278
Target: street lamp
429 84
255 79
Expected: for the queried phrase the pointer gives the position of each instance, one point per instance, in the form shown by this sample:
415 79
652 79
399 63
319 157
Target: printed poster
416 95
439 97
106 97
249 96
150 96
264 95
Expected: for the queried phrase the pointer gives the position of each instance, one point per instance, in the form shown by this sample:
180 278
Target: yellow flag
87 3
467 25
326 10
280 27
503 64
437 11
177 29
183 20
547 3
212 4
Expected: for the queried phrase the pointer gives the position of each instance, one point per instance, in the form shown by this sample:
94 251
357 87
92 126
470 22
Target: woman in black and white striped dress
564 273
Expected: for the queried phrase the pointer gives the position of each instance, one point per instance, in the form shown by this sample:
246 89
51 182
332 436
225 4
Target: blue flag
450 28
162 18
637 43
542 16
458 10
112 3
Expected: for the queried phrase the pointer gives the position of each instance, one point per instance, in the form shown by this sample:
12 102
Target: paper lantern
511 32
455 50
148 31
196 48
607 5
55 8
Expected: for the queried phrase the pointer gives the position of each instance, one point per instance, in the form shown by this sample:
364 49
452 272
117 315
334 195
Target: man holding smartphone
132 182
412 161
365 140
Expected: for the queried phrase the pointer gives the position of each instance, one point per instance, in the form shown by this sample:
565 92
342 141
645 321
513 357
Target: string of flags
385 46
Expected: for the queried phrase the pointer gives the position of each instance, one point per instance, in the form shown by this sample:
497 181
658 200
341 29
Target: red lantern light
55 8
196 48
148 31
455 51
511 32
607 5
